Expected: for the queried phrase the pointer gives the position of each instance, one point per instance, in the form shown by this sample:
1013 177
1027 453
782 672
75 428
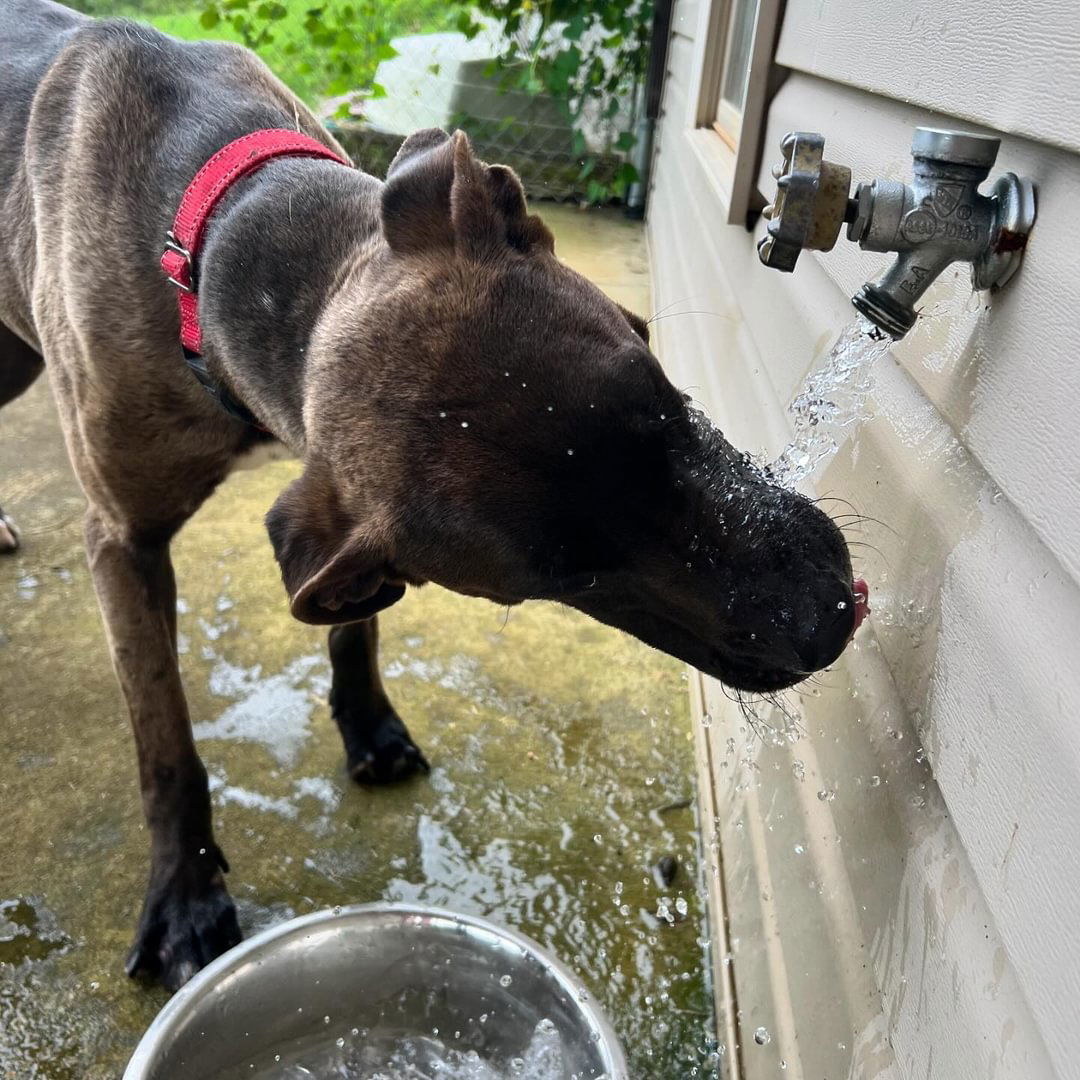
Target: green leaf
626 141
386 51
466 26
209 18
376 90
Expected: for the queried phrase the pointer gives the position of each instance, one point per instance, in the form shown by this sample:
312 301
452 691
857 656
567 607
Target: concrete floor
559 748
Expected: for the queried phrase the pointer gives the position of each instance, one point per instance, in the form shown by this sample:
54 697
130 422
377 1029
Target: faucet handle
810 204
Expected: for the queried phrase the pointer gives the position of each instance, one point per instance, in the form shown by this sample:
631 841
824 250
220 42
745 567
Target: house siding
926 927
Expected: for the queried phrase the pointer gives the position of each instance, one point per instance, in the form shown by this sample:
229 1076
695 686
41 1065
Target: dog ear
416 198
438 195
487 206
637 323
332 572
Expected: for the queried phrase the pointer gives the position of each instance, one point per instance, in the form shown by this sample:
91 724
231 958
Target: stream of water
832 402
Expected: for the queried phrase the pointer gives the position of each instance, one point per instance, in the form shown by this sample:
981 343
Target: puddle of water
273 710
832 402
28 931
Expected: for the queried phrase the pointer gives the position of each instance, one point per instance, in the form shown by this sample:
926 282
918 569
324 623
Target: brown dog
469 411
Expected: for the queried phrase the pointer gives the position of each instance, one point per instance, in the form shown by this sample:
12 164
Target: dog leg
19 367
188 917
378 747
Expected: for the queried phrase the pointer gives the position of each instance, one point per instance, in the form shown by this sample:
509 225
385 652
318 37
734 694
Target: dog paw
187 920
9 535
382 753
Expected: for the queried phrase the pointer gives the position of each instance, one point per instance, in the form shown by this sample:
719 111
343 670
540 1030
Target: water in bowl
363 1056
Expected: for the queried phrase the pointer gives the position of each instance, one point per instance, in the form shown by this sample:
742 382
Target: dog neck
277 249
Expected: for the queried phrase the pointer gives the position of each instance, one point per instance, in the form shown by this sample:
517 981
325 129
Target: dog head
481 416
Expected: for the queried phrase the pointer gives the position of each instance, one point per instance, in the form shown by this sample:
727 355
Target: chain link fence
376 70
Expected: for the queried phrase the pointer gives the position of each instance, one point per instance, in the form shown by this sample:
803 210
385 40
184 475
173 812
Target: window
735 71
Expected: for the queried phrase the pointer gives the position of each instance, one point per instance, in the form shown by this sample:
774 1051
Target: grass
317 49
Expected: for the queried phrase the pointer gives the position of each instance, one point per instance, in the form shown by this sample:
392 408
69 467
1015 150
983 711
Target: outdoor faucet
938 219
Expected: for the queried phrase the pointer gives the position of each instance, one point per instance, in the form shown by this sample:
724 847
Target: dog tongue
862 602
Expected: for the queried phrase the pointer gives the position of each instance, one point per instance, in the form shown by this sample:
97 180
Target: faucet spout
889 302
938 219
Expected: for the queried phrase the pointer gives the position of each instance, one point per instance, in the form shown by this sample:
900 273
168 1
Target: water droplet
505 981
706 719
826 795
464 423
798 770
570 453
326 1019
546 1026
841 605
339 1042
598 838
875 781
799 849
762 1036
442 414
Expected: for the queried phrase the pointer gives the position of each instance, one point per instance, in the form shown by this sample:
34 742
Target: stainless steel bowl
389 969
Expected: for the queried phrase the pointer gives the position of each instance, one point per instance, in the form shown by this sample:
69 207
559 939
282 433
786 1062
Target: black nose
824 629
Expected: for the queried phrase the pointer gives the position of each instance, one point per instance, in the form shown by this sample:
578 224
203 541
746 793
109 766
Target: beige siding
927 927
1010 66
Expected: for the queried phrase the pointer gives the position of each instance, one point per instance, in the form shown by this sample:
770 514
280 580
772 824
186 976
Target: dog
469 411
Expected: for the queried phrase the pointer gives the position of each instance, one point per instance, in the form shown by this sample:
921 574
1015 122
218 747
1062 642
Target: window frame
727 120
731 154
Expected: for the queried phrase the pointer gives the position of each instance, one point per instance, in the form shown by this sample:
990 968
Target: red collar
238 159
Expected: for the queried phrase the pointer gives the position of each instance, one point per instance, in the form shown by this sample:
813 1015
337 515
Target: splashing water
420 1057
832 400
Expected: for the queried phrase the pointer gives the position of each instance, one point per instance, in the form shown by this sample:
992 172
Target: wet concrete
561 751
